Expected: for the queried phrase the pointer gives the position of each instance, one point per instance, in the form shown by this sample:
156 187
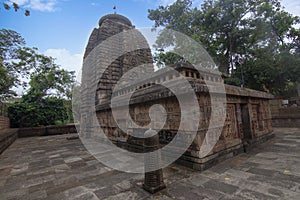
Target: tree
6 82
10 43
49 81
49 111
178 16
273 60
246 38
167 58
48 99
216 26
20 63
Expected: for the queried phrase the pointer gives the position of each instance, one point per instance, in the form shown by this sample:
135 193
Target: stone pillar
153 176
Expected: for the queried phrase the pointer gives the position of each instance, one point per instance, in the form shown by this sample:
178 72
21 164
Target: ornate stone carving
149 92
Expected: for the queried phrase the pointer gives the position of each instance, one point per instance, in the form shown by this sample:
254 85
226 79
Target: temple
248 117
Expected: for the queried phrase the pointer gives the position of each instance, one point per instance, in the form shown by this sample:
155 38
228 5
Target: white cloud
40 5
292 6
65 59
166 2
157 2
43 5
196 3
94 4
20 2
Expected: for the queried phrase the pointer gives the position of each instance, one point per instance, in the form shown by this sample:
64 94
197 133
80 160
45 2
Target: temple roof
115 17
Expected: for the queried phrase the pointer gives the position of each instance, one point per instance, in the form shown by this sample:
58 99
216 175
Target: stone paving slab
52 167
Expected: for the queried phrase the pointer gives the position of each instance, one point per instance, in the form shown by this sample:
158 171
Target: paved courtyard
55 168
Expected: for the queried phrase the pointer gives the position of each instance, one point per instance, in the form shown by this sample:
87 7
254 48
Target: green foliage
8 4
30 114
11 45
47 102
164 59
6 81
16 7
254 41
50 81
233 81
27 13
20 63
277 73
177 16
48 99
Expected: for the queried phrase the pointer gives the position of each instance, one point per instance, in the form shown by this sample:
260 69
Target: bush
48 111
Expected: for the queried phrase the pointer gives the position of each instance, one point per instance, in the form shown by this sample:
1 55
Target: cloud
65 59
94 4
196 3
157 2
20 2
40 5
43 5
292 6
166 2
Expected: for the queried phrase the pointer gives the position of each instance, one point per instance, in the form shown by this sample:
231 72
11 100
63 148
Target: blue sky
68 23
60 28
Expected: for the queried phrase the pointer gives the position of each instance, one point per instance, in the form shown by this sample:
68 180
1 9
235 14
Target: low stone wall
7 137
285 115
46 130
4 123
248 122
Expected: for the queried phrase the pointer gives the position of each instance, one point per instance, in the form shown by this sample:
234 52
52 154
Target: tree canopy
47 87
20 63
254 41
10 43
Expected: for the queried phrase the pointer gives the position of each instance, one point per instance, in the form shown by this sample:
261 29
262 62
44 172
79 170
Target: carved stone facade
248 118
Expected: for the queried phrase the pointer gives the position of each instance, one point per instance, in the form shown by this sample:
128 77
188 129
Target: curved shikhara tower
106 60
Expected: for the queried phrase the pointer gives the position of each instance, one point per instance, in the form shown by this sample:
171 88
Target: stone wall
287 115
248 118
4 120
7 137
46 130
4 123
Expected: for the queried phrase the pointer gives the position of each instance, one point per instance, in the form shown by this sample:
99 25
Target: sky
61 28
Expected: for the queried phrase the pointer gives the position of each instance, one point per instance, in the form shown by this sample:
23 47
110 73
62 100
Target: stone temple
248 117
